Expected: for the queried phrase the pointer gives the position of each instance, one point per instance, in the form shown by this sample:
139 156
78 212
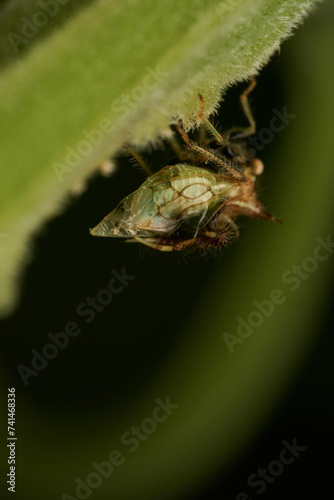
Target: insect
194 201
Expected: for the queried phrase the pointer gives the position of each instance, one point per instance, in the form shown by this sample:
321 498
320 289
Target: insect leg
181 153
138 158
206 155
208 125
251 129
225 222
166 245
182 133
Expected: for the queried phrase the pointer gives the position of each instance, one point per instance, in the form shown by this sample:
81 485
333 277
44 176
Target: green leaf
72 92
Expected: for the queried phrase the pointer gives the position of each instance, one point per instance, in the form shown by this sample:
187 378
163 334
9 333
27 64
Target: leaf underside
132 65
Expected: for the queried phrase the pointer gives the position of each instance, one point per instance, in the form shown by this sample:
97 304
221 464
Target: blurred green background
162 336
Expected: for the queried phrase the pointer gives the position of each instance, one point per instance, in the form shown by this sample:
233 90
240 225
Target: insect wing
176 195
136 215
117 223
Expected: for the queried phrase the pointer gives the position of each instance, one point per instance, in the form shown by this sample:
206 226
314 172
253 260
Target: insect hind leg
208 155
138 159
243 132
